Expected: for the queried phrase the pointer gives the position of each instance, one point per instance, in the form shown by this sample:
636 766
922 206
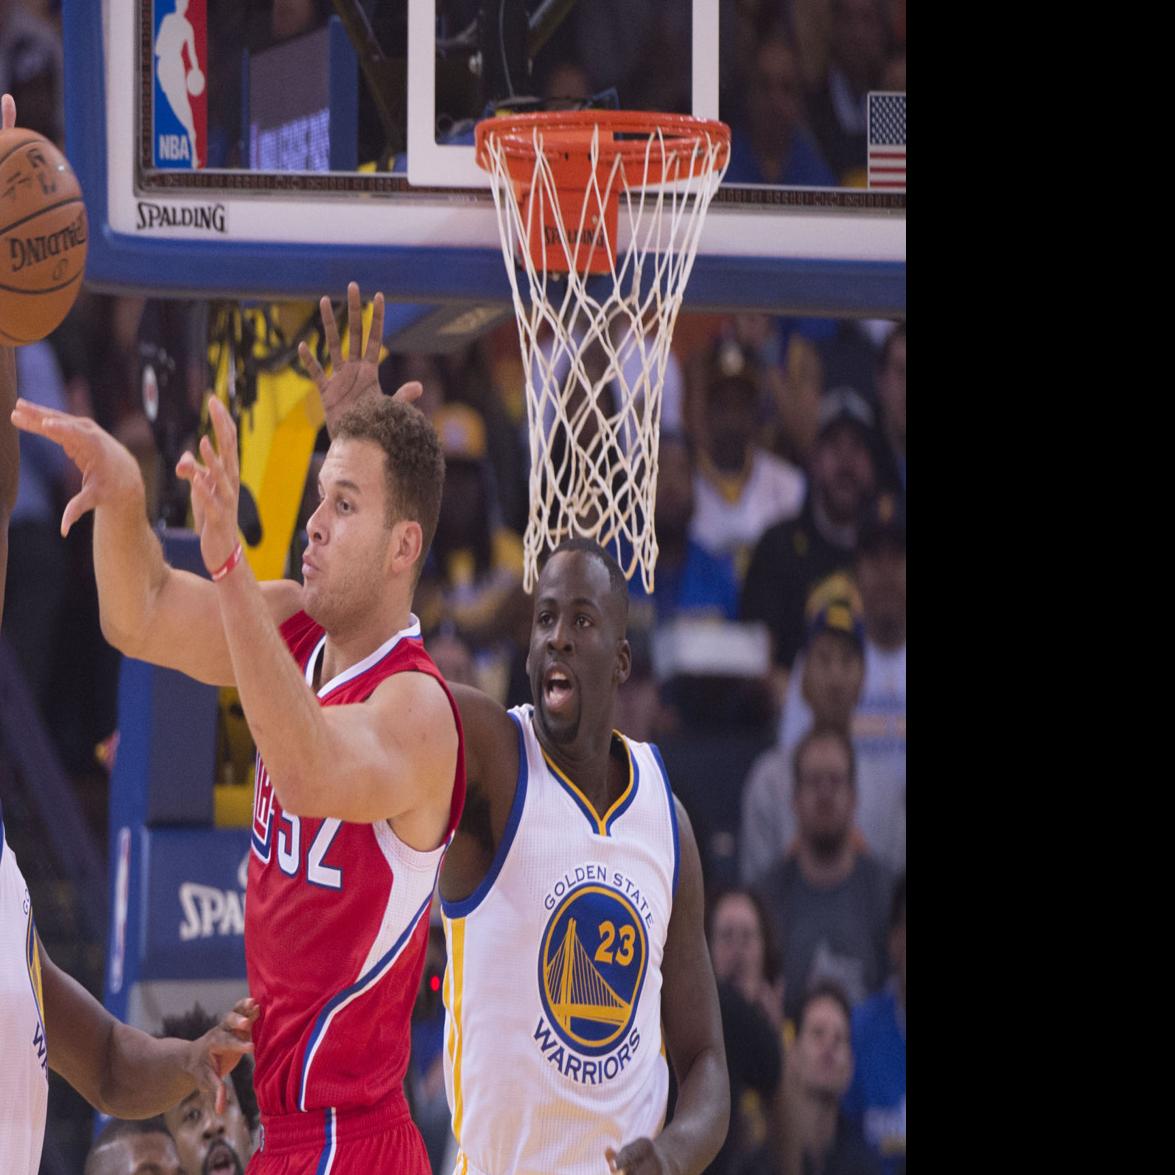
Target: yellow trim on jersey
601 821
455 974
33 960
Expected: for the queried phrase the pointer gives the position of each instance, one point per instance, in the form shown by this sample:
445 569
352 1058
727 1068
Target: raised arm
148 610
353 379
693 1029
125 1072
389 758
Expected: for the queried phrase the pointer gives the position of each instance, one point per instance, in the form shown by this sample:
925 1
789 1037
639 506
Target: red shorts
341 1142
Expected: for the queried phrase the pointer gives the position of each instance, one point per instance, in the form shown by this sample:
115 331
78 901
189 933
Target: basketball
196 83
43 237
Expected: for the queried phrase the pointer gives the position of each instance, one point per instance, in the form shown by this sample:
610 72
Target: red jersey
336 920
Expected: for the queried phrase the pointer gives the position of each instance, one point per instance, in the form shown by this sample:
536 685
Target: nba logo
180 56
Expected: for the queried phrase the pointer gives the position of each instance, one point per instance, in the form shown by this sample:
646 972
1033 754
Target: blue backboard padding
121 263
194 904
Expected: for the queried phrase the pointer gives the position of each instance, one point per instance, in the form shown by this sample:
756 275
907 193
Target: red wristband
228 564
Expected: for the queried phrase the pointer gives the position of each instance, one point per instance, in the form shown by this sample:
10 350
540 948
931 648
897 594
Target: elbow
116 635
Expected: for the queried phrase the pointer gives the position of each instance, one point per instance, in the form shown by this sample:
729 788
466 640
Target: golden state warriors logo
595 952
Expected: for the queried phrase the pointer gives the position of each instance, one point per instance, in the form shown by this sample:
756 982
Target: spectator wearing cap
828 899
741 489
472 585
794 557
831 684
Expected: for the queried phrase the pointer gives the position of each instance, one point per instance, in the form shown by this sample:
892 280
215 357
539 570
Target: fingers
409 392
226 439
375 336
331 330
81 503
7 112
45 422
354 321
311 364
240 1020
221 1097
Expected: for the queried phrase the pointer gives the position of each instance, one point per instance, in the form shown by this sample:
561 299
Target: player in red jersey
360 770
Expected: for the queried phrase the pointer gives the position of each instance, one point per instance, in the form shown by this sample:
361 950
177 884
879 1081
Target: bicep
693 1021
392 755
186 632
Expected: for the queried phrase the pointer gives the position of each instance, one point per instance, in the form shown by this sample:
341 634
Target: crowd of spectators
780 513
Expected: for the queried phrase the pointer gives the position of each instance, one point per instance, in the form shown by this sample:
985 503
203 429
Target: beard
216 1152
826 844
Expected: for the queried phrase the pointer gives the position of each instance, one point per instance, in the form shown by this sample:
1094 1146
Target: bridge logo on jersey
592 965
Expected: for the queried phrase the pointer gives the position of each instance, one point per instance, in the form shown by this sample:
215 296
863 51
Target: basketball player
572 901
360 775
47 1020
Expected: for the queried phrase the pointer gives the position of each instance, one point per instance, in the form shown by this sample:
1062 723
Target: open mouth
221 1160
558 690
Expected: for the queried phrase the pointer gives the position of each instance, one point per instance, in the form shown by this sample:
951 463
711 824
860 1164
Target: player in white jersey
572 897
49 1021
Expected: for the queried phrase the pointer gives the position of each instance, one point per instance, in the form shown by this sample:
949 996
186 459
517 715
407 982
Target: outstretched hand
7 112
216 1053
351 378
216 486
108 470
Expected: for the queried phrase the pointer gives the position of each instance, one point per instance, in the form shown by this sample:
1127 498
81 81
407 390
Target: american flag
887 141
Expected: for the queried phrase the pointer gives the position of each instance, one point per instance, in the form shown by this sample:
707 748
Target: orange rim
566 141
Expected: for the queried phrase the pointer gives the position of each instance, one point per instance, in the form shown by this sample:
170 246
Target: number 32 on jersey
290 839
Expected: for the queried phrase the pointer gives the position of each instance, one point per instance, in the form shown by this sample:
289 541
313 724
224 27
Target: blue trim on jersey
634 782
328 1150
2 845
468 905
356 988
672 812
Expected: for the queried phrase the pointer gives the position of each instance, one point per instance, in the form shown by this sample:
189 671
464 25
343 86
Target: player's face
136 1154
209 1144
822 1049
578 654
344 566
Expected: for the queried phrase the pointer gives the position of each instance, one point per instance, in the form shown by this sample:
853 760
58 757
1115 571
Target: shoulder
491 741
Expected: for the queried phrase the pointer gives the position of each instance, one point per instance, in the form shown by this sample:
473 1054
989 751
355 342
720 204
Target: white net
595 348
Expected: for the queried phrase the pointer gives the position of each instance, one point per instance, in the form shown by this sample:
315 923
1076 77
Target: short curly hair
191 1026
415 464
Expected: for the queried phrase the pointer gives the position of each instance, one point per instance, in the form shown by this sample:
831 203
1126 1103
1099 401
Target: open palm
357 374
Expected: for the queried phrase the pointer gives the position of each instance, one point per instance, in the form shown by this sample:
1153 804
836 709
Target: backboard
292 165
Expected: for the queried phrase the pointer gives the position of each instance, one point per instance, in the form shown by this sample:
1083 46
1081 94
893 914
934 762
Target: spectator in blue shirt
876 1100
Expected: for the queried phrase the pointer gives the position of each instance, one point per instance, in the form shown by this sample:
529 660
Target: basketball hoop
604 210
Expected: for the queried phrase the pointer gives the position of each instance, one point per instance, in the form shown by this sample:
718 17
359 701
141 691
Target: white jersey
553 1042
24 1076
